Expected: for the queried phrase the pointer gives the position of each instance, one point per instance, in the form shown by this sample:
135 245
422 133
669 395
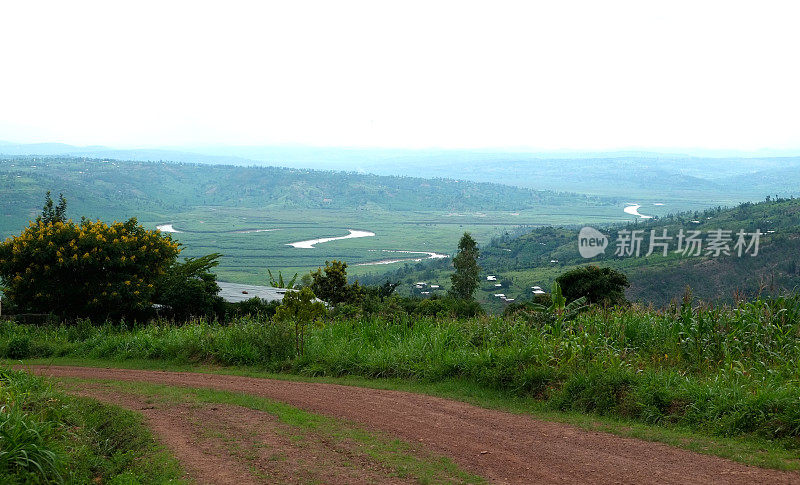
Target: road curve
503 447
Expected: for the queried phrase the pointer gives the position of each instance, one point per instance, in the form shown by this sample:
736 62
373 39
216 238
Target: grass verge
48 437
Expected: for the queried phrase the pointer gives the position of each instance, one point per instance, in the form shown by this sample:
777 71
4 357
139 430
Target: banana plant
559 306
279 282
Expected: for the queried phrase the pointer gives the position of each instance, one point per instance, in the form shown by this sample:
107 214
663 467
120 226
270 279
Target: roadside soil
226 444
503 447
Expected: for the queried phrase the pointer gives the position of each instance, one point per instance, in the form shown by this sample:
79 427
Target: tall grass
727 370
47 437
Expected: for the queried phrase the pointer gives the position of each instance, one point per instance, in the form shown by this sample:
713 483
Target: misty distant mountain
639 175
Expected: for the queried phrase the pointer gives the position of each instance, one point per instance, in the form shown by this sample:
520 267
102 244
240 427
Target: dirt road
503 447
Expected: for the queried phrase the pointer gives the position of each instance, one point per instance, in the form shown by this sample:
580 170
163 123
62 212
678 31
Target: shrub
597 285
84 270
330 284
188 289
255 307
300 307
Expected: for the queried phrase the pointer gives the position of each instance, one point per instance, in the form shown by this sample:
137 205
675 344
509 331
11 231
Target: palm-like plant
559 306
279 283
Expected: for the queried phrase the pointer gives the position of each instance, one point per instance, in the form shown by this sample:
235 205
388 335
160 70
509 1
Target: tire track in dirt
232 445
506 448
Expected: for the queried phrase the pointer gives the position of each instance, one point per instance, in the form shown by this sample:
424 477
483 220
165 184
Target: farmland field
247 254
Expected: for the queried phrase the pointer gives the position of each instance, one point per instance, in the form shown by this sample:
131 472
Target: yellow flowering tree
87 269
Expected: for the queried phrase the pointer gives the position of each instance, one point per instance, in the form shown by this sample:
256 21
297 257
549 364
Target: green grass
395 454
721 372
47 437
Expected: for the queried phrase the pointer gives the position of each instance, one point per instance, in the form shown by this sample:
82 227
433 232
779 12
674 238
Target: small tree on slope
466 277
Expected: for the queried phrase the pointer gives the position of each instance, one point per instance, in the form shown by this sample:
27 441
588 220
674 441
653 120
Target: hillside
696 181
535 258
100 186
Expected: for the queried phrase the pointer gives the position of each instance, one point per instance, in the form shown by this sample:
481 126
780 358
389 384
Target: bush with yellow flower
86 269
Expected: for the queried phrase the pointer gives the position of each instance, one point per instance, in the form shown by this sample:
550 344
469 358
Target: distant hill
690 181
113 189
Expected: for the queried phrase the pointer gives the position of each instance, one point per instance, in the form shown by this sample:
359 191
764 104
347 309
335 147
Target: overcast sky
547 75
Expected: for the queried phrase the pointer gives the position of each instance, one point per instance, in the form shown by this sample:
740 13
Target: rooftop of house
235 292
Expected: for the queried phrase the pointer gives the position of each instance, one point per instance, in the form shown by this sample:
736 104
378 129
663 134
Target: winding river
309 244
428 255
167 228
633 209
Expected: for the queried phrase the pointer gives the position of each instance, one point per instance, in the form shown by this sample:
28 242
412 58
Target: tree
330 284
52 214
466 277
190 288
89 269
302 308
599 285
383 291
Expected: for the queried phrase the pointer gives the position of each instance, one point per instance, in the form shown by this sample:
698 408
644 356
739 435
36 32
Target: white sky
547 75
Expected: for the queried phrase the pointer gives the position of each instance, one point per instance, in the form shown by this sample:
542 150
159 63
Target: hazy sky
548 75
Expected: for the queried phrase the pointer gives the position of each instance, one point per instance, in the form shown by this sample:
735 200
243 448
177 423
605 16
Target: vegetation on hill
540 255
111 189
700 180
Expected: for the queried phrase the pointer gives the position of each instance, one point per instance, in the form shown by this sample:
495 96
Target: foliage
559 306
47 437
554 312
381 292
279 283
51 214
598 285
331 285
723 370
254 307
466 277
189 289
302 308
85 270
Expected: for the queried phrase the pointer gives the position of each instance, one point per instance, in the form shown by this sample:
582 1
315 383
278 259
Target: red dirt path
503 447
